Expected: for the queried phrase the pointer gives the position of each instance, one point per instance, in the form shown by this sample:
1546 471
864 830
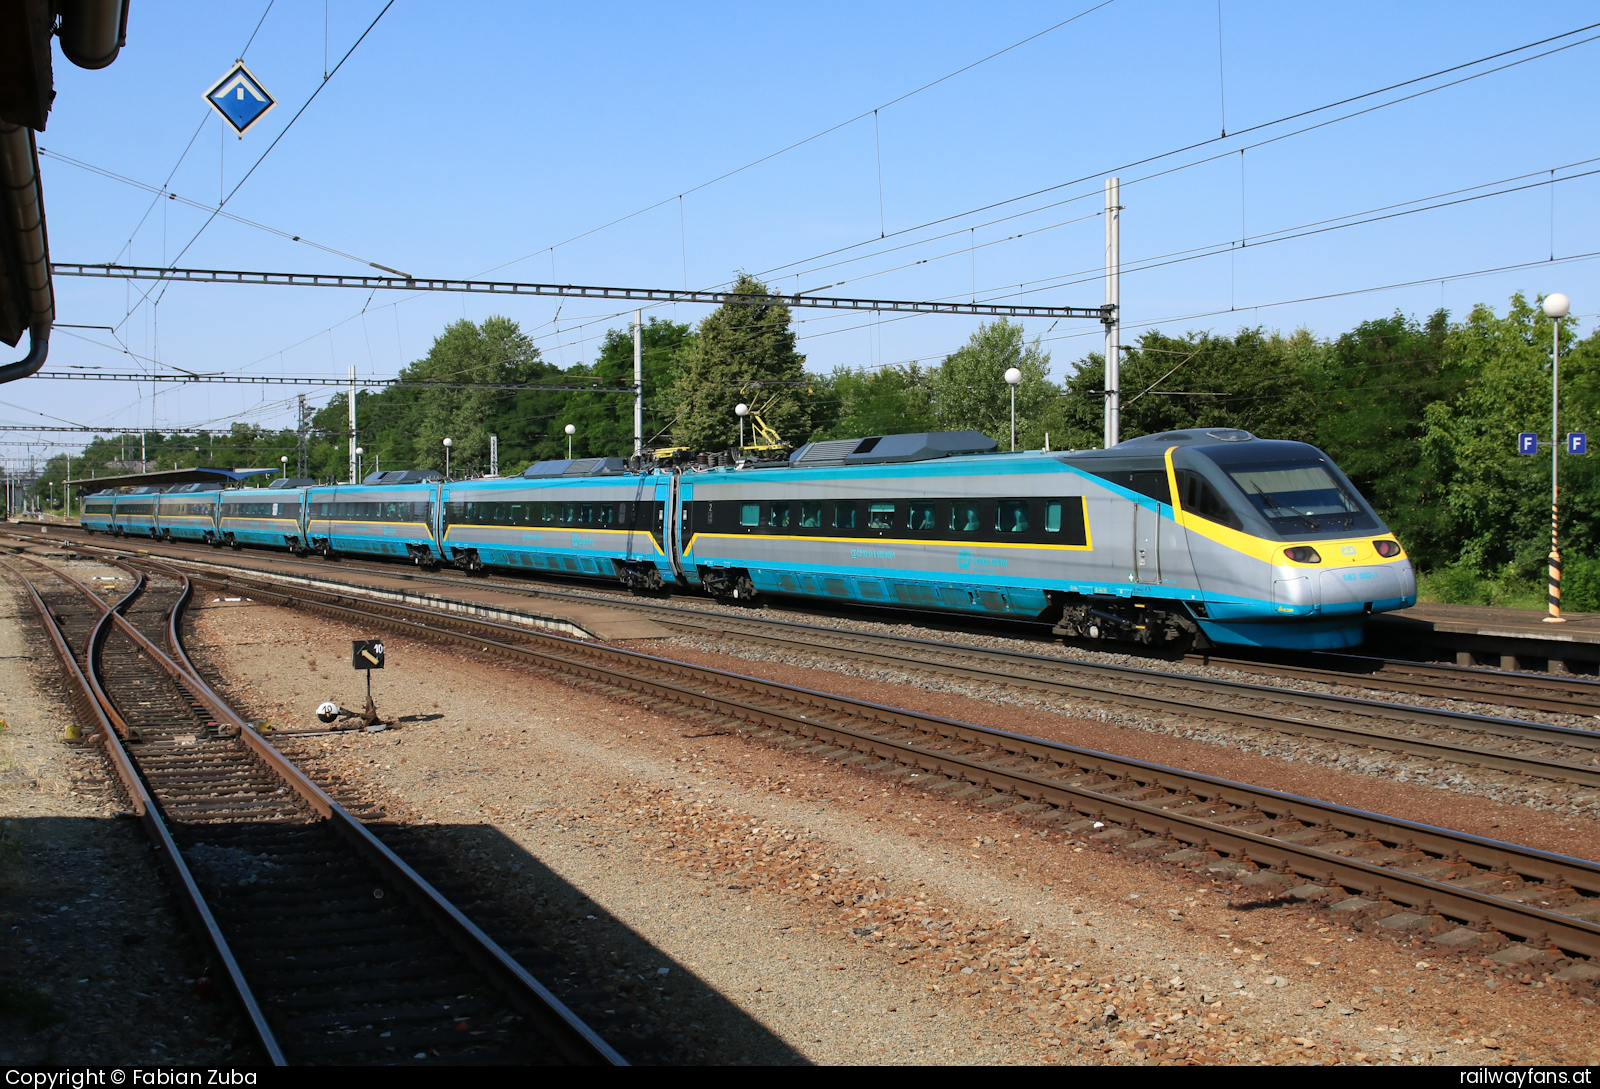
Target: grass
1462 585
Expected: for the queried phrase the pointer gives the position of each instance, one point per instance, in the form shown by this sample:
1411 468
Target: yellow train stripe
427 531
645 533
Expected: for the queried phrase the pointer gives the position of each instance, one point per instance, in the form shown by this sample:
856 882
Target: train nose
1357 585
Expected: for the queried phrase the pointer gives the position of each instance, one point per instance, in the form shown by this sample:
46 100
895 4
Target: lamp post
1555 308
359 451
447 445
741 411
283 459
571 431
1013 377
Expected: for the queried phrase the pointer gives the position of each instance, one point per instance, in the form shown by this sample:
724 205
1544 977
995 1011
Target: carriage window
810 515
750 514
778 515
1052 516
607 513
964 516
920 516
1011 516
880 516
844 516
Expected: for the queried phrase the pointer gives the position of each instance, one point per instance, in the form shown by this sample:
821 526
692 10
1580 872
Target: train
1183 539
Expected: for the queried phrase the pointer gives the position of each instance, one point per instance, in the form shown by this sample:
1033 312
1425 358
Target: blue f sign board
1527 442
1577 442
240 98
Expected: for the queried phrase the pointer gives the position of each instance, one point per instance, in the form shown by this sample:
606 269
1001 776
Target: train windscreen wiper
1275 505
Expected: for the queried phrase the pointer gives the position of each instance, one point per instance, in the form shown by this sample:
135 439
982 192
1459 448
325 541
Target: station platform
1484 635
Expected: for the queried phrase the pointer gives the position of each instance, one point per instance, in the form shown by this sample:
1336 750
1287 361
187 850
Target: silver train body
1187 537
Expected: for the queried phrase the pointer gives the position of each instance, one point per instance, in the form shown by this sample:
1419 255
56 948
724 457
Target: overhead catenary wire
1118 168
1261 126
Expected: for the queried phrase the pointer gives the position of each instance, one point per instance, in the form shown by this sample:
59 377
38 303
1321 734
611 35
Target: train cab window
844 516
778 515
880 516
1011 516
1199 497
750 514
919 516
811 515
1052 516
964 516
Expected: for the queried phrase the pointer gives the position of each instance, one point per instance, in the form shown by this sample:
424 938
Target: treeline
1421 414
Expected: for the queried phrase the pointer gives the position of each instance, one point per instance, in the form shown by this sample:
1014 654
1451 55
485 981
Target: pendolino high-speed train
1185 538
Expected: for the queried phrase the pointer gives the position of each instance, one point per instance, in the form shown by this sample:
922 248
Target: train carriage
270 517
134 513
188 512
392 515
98 511
587 517
1210 535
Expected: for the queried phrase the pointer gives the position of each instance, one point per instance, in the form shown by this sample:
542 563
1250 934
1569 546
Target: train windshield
1299 497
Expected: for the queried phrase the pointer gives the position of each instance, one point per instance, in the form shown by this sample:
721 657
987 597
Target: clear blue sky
458 140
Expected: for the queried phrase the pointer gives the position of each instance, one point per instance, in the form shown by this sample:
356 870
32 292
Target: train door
437 522
1146 544
678 496
638 513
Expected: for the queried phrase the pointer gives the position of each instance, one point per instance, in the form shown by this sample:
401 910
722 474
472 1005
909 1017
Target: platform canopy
168 477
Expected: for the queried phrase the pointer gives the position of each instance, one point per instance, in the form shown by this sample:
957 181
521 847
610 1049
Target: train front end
1286 551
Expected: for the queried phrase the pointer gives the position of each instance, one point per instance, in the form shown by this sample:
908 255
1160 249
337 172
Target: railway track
1551 694
1260 837
337 951
1559 753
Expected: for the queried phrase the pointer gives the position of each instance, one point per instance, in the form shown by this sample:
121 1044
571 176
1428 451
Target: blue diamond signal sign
1577 442
1528 442
240 98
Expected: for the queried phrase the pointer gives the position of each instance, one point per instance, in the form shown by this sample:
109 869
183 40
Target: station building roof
168 477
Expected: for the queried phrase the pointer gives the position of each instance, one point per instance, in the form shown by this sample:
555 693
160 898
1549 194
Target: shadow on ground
645 1004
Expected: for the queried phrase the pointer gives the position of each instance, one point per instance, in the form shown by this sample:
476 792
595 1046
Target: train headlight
1386 549
1303 554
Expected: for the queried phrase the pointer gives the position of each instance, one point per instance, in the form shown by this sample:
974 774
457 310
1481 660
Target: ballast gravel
807 912
1558 798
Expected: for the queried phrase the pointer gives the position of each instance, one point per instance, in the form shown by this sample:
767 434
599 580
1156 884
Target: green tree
1372 387
970 391
887 401
1496 504
737 346
605 420
1253 380
1075 420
